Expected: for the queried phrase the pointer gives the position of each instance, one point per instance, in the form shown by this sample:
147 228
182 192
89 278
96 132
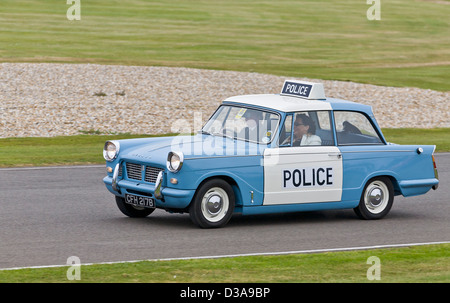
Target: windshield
243 124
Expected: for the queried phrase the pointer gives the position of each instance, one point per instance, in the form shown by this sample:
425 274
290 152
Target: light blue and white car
273 153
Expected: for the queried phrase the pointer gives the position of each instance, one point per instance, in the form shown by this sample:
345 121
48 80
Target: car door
306 173
364 152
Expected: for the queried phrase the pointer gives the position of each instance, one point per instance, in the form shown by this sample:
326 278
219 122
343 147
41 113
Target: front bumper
169 198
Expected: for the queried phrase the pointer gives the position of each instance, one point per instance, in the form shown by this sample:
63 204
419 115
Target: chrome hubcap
215 204
376 197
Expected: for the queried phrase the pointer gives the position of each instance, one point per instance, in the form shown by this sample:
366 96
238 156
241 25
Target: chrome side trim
217 157
376 151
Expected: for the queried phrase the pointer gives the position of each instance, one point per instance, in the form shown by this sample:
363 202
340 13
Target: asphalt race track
50 214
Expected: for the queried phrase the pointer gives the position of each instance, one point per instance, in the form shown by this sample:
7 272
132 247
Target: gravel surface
67 99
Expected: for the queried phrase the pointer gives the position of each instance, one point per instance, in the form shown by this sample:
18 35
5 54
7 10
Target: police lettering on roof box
307 90
296 89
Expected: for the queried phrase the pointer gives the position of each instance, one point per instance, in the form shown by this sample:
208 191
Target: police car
270 153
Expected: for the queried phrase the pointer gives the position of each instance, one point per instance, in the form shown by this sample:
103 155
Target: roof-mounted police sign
307 90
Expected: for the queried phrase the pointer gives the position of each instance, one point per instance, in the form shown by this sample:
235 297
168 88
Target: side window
324 127
354 128
308 128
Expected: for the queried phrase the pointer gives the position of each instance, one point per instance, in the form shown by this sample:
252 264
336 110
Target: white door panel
304 174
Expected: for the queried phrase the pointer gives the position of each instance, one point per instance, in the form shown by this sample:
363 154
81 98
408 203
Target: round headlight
174 161
111 150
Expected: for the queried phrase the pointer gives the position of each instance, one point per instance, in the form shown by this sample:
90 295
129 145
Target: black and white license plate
140 201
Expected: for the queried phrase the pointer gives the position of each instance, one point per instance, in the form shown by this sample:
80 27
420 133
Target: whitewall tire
376 200
213 204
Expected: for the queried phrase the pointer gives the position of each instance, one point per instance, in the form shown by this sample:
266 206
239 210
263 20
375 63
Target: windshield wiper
204 132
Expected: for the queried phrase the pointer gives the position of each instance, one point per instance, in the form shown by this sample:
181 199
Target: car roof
293 104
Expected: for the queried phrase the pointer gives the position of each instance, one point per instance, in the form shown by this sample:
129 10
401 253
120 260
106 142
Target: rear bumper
418 187
172 198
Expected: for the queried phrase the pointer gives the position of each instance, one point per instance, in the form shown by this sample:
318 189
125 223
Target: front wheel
131 210
213 204
376 199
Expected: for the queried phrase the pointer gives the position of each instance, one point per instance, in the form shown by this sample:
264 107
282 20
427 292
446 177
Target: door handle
338 155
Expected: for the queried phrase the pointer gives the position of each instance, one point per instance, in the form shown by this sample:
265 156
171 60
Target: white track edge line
51 167
243 255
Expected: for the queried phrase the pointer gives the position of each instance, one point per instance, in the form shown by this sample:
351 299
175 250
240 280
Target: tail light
435 171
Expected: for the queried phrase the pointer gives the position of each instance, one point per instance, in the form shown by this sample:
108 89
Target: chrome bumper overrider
158 184
114 179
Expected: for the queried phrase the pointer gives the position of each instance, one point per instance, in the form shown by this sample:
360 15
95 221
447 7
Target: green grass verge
87 149
435 136
62 150
322 39
430 263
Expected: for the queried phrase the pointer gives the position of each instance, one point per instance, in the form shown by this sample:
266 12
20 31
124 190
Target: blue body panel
411 173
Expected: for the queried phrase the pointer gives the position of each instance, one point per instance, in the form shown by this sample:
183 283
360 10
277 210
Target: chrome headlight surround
111 150
174 161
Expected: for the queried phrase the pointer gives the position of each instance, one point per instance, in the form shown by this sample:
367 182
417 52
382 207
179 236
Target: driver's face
300 129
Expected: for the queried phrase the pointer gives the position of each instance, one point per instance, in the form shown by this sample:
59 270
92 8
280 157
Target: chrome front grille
134 172
151 173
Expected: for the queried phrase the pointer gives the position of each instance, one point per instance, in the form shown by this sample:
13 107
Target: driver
304 132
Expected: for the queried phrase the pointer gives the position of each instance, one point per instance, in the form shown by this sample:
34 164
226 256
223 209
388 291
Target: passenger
350 128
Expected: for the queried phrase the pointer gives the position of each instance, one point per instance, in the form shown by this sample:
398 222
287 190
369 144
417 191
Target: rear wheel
376 199
131 210
213 204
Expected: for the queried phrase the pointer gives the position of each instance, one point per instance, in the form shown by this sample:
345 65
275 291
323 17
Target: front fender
244 172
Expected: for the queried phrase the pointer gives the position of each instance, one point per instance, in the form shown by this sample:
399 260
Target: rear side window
354 128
